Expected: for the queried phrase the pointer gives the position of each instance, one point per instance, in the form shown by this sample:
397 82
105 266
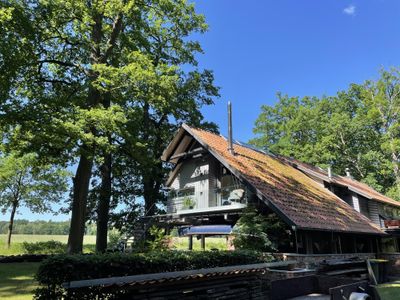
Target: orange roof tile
352 184
304 201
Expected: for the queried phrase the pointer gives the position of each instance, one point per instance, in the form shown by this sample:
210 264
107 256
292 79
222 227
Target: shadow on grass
17 280
389 291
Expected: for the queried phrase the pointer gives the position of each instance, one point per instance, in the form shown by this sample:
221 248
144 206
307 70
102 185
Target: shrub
157 240
48 247
64 268
250 232
114 237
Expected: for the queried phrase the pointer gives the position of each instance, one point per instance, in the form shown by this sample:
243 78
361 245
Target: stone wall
393 264
311 261
274 274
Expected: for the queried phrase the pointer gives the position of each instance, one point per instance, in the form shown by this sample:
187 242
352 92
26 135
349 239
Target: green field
182 243
16 280
18 239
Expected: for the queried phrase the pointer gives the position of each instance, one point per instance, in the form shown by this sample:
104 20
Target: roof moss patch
304 201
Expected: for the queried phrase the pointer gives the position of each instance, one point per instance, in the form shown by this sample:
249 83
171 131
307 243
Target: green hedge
48 247
64 268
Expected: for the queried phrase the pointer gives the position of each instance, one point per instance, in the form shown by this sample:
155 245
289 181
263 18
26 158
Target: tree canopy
356 129
86 82
25 182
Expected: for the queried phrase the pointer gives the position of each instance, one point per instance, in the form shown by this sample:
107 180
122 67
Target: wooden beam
203 242
190 242
173 144
200 150
173 174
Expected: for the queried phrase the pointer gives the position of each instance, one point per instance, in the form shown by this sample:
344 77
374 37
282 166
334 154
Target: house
215 178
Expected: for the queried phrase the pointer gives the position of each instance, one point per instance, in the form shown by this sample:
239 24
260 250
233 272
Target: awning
208 230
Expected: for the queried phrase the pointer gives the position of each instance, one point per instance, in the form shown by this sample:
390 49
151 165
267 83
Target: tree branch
57 62
117 27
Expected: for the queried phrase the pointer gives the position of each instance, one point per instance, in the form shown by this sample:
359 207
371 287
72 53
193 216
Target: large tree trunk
79 203
10 226
149 196
152 178
84 171
104 204
396 169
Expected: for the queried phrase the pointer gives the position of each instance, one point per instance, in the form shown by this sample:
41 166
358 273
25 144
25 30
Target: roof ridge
313 168
285 189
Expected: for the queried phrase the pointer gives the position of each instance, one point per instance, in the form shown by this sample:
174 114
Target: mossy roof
302 200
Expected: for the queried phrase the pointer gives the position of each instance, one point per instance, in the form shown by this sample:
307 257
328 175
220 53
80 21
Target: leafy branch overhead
102 86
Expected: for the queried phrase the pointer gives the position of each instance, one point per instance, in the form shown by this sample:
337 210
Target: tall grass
18 239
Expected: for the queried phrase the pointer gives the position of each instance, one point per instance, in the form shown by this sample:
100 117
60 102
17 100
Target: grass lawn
389 291
18 239
16 280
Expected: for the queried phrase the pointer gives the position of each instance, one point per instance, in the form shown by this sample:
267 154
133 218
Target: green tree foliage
24 182
158 240
48 247
22 226
356 129
94 80
36 227
251 232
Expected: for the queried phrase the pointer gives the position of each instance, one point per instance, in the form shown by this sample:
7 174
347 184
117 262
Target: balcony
392 224
190 201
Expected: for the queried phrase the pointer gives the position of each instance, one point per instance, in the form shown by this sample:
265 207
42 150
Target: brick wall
312 260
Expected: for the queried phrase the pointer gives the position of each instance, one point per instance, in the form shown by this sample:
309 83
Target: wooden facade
341 215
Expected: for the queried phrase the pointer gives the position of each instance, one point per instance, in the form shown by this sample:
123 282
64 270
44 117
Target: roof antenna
230 141
348 174
329 172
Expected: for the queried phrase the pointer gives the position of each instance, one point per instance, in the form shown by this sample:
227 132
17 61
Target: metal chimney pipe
348 174
329 172
230 139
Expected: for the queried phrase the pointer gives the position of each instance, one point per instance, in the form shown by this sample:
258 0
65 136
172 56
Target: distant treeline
42 227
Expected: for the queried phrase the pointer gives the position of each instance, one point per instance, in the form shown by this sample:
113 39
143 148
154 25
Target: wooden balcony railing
392 223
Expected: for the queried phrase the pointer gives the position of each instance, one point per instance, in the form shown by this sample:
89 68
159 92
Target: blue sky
257 48
310 47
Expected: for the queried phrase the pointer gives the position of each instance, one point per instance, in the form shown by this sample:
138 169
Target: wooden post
190 242
340 244
371 245
203 242
334 249
378 248
295 240
354 244
309 245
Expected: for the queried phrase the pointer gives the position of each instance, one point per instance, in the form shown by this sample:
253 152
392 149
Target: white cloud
350 10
